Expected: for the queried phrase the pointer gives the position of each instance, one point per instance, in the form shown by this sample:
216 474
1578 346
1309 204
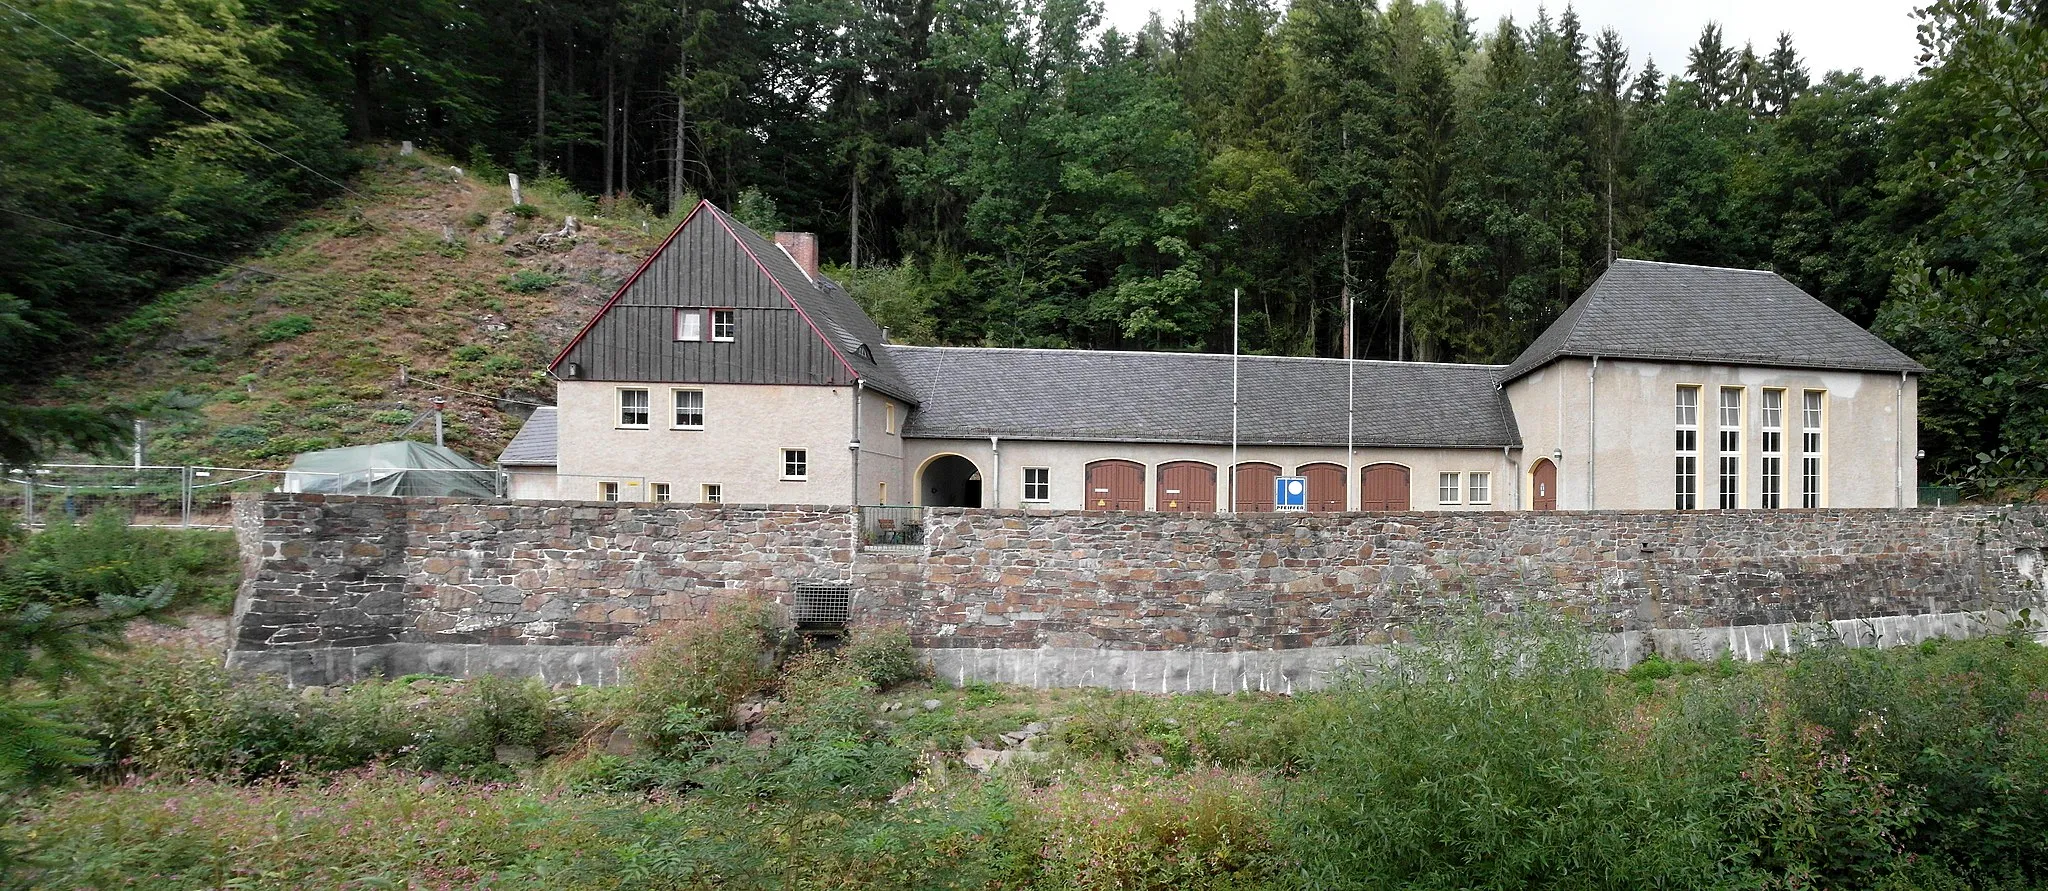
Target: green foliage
524 211
1096 830
527 281
284 328
693 671
883 655
74 565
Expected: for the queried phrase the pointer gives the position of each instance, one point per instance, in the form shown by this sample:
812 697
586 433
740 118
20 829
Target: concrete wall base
1144 671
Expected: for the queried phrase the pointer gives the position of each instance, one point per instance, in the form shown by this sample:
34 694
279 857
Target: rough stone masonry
343 587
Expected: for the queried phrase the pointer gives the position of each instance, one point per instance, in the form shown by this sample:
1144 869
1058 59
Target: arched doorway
949 481
1325 485
1115 485
1255 486
1543 485
1383 487
1187 486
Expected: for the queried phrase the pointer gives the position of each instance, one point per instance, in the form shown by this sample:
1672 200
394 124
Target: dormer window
689 324
724 323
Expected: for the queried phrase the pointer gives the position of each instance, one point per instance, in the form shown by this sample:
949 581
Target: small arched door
1325 485
1543 485
1255 486
1383 487
1187 486
1115 485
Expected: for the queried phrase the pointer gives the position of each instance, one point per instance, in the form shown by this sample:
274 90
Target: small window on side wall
888 417
689 410
714 493
661 492
1447 488
1037 484
690 324
608 491
796 464
1479 488
724 324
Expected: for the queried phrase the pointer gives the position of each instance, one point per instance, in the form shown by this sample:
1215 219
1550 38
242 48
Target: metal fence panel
886 525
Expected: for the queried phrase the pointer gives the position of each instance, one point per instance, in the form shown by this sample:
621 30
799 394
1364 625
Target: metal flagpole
1234 300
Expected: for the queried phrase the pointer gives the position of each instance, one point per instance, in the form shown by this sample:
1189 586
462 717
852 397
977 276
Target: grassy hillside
438 273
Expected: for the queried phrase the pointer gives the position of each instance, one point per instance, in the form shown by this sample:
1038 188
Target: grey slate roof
1092 395
1640 309
534 445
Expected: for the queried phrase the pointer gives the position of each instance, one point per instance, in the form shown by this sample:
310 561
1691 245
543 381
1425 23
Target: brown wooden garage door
1383 487
1116 485
1187 486
1255 486
1325 486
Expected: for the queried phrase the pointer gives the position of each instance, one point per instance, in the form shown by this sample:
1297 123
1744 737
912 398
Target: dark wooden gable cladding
704 266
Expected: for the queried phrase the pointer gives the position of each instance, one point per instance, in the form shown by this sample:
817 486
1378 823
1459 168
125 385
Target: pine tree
1649 87
1712 67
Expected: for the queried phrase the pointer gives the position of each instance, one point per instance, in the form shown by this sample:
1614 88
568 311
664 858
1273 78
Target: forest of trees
1008 172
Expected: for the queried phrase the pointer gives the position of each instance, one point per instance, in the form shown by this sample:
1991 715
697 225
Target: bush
883 655
78 564
1208 829
527 281
702 664
179 712
285 328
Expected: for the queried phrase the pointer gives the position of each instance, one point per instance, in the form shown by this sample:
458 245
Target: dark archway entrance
949 481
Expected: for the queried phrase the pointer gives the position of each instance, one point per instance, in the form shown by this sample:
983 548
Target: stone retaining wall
342 587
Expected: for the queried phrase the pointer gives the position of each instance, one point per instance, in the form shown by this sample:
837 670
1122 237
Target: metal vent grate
823 607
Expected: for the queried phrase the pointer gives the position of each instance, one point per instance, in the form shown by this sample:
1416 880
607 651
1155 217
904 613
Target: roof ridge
1197 355
1693 265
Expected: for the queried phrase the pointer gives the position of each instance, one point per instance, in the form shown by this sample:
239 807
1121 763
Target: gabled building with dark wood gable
727 369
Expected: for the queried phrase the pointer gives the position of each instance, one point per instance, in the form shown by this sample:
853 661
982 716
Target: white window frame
1728 440
1043 484
608 490
1686 421
732 325
1771 475
1450 487
801 461
646 408
676 409
661 493
1813 429
1478 487
714 493
689 325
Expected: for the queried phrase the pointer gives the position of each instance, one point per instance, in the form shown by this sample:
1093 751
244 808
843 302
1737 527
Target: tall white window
661 492
1812 416
689 410
1687 480
1772 490
796 464
1037 484
723 324
632 408
608 491
689 324
1447 488
1729 432
1479 488
888 417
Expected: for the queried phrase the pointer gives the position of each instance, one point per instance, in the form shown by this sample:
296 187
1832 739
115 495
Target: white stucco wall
530 483
746 427
1068 462
881 460
1616 432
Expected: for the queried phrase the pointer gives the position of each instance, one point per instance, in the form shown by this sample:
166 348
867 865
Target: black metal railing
891 524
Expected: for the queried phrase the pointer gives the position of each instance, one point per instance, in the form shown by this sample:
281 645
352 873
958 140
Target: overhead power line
175 98
170 250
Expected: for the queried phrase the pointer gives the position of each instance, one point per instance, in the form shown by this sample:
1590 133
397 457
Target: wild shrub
285 328
1489 755
79 563
882 654
527 281
1103 830
701 664
178 712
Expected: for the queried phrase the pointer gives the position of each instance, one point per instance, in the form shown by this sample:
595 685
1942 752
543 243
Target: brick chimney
803 248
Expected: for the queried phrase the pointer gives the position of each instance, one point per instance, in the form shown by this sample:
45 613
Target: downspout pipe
1592 436
859 391
995 474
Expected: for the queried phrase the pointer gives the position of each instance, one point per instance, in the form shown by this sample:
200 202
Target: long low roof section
1098 395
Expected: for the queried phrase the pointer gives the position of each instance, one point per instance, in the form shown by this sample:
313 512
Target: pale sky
1874 35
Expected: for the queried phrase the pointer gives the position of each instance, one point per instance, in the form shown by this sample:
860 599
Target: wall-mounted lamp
1921 454
1557 454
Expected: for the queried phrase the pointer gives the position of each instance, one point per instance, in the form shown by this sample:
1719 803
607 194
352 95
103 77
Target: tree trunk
626 136
610 110
853 218
1344 288
540 99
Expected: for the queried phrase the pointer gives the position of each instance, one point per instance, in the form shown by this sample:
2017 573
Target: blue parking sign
1290 493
